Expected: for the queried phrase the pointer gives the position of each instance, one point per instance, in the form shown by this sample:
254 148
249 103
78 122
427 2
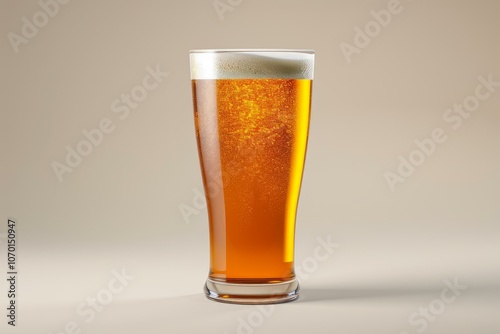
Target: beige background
120 207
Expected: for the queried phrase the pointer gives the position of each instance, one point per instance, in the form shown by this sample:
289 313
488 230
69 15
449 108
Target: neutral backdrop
119 209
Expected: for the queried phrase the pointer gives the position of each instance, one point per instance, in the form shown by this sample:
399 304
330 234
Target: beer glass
251 111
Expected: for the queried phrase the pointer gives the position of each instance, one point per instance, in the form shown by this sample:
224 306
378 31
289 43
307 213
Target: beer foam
252 64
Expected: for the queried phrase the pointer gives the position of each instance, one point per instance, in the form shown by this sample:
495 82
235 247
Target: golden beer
252 136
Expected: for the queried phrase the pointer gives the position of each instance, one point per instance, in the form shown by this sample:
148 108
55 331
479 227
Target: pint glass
251 111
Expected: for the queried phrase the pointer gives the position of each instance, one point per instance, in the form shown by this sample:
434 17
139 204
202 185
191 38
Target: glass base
262 293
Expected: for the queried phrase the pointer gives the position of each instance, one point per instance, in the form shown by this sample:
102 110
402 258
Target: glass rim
304 51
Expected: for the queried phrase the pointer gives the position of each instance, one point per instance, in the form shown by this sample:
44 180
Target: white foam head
252 64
